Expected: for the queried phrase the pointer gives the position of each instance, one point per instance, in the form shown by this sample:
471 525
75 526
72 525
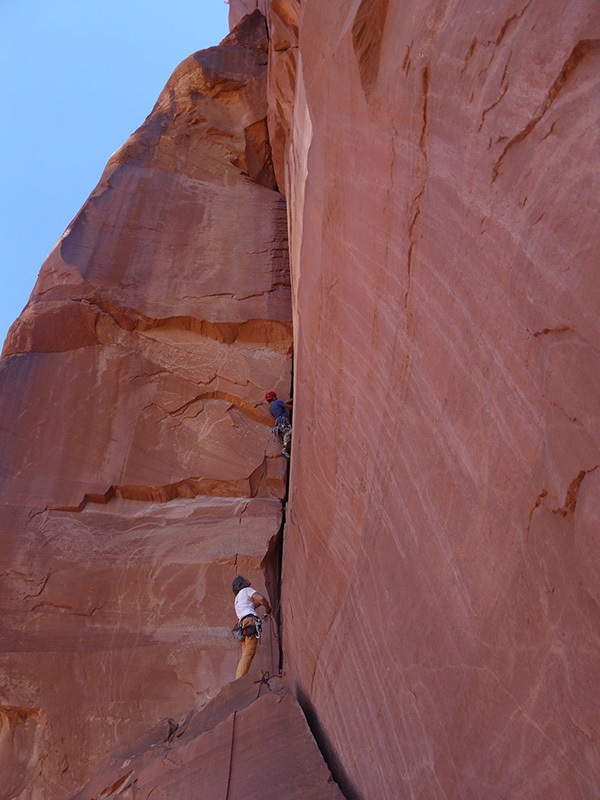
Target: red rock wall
441 565
139 473
248 742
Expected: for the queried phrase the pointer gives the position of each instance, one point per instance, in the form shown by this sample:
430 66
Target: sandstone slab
443 199
251 741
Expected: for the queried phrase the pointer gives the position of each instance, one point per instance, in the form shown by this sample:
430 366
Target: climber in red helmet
283 423
277 407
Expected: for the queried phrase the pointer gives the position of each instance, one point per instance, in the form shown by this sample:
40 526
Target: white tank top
243 602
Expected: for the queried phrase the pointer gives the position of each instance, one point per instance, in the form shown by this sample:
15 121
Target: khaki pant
249 646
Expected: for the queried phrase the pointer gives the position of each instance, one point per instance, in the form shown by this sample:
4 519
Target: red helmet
270 396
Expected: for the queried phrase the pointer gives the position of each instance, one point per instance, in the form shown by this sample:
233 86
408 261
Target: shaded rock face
138 470
238 9
442 532
283 18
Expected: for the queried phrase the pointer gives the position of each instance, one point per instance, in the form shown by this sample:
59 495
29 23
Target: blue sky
76 78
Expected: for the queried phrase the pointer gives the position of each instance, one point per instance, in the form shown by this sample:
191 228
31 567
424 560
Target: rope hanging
230 756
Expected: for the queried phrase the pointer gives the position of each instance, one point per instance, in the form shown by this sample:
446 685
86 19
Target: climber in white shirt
247 600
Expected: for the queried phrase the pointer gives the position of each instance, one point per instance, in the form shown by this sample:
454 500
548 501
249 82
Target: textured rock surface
238 9
138 471
155 311
440 570
251 741
283 17
113 618
442 530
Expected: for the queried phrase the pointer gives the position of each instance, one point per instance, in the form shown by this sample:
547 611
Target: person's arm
259 600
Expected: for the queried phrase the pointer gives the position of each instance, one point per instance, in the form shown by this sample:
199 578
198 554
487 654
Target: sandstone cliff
442 530
439 593
139 473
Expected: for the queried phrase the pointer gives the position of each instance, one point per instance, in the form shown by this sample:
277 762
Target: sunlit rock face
139 472
442 533
172 325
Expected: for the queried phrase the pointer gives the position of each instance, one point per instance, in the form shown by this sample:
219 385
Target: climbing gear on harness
287 444
282 426
283 431
247 627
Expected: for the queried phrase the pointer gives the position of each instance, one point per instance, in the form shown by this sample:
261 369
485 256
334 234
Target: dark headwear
239 583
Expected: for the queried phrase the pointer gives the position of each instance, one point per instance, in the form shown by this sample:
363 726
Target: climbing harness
247 627
283 431
282 426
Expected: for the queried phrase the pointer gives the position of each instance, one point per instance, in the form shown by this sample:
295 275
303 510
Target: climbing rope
271 645
273 636
230 755
263 681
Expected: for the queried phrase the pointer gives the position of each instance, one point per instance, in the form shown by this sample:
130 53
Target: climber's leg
249 646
